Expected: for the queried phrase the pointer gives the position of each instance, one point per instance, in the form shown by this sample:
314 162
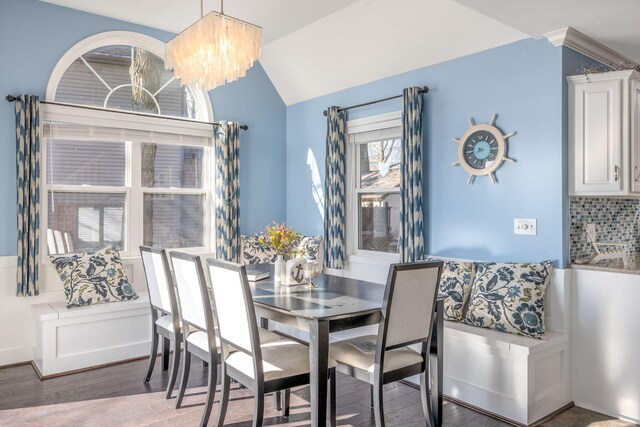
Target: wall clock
482 149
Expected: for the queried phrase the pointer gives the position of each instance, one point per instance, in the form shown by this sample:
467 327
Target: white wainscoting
17 331
606 343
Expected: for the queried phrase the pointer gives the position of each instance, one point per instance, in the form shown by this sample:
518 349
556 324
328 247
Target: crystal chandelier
215 50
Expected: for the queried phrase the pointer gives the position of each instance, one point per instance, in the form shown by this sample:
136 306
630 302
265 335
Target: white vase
279 268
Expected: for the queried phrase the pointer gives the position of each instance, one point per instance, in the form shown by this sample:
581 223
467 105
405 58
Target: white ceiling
614 23
316 47
276 17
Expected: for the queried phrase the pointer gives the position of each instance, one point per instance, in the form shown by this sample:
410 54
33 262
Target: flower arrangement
282 238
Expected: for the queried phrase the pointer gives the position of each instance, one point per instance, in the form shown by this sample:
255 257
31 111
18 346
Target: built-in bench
74 339
523 380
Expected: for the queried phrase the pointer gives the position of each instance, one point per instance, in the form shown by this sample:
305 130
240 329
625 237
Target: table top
334 297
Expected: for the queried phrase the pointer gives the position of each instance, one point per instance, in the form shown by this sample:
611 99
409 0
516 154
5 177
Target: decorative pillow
455 283
93 278
254 252
509 297
309 248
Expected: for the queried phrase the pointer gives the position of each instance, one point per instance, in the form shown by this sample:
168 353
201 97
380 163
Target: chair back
159 279
193 296
409 303
234 309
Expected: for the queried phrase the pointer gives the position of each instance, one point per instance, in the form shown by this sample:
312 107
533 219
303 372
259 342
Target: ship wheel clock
482 149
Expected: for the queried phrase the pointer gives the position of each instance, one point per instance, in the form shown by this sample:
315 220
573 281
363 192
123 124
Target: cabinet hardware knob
617 172
636 174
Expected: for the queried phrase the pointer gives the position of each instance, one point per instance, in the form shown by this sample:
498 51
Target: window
374 185
118 179
125 185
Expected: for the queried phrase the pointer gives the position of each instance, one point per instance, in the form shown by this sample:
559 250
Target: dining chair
166 325
261 368
407 318
197 320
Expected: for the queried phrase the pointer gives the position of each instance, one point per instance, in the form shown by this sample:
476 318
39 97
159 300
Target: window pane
125 78
379 223
85 221
380 164
174 221
86 163
171 166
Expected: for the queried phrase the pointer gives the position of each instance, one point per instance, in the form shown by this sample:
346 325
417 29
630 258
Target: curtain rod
11 98
424 89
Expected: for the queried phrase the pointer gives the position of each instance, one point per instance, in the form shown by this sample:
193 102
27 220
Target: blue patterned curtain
334 189
411 239
28 183
227 178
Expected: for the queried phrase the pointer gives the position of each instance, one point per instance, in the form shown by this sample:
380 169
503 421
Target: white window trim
134 191
127 38
368 124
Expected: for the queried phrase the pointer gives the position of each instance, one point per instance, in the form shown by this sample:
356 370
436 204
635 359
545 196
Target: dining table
336 304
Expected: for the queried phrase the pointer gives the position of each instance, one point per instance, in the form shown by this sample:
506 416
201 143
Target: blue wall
33 37
522 82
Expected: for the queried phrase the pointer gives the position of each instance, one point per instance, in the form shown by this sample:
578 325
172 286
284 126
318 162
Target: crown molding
575 40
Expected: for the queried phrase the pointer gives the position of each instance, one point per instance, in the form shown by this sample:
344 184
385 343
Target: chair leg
277 400
211 390
425 396
186 366
224 400
153 355
286 402
175 365
378 408
258 409
165 353
371 396
332 397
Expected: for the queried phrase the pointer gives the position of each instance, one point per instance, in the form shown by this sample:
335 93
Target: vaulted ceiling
316 47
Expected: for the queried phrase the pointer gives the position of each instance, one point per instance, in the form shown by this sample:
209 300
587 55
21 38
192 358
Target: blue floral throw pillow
509 297
93 278
455 283
309 248
254 252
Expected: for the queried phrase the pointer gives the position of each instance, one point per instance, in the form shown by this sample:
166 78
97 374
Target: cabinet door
635 136
597 137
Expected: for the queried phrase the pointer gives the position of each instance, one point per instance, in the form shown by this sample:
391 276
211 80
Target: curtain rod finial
11 98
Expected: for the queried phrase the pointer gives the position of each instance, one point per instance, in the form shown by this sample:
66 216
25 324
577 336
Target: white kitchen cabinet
604 116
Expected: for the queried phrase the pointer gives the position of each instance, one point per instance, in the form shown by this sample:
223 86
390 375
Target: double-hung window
115 179
373 181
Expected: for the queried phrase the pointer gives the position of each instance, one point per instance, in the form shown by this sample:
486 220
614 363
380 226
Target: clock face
480 149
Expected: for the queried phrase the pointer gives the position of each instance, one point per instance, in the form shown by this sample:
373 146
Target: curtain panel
334 189
28 186
411 238
227 191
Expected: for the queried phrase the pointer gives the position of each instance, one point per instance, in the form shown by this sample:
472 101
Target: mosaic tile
616 221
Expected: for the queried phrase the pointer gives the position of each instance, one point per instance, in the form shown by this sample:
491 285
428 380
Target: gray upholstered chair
262 368
165 322
407 318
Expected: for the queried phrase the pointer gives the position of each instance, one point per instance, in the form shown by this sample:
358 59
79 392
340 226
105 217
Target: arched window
117 179
124 71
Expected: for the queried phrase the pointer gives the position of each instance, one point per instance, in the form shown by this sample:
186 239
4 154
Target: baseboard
77 371
13 365
494 415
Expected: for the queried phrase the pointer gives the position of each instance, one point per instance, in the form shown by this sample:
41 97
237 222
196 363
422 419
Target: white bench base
517 378
74 339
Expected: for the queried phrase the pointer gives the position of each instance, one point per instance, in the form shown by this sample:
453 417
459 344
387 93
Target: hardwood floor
116 396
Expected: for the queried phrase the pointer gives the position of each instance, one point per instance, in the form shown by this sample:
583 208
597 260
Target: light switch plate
527 227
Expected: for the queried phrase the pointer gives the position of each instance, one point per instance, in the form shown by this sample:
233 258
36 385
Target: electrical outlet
525 226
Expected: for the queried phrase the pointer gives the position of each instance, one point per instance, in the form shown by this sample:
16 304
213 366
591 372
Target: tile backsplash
616 220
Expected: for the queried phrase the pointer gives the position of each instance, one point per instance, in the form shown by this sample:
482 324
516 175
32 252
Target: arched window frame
125 38
118 118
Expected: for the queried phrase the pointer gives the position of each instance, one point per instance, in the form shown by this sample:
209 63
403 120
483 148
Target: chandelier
215 50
